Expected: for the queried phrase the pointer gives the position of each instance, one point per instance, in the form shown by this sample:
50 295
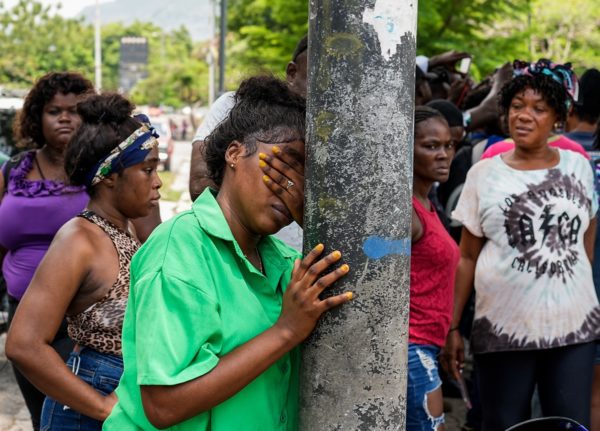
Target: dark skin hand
487 111
447 59
169 405
453 354
280 167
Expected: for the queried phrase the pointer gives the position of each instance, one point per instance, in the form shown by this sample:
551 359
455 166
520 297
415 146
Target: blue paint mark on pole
376 247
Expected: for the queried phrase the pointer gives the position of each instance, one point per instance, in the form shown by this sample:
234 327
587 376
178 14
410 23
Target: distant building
133 62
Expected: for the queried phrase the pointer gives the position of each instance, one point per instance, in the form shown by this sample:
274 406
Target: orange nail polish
319 247
336 254
349 295
262 156
345 268
276 149
266 179
262 163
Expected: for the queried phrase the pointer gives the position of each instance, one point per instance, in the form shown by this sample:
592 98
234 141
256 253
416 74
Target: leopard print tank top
100 325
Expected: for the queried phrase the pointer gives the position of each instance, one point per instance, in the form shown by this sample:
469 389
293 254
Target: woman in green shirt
217 306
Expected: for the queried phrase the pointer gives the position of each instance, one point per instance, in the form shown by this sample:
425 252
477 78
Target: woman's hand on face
302 306
284 176
453 354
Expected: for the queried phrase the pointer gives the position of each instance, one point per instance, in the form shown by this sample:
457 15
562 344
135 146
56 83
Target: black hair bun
268 90
105 109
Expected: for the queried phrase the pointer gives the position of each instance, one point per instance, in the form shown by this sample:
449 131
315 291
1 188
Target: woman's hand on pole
284 176
302 305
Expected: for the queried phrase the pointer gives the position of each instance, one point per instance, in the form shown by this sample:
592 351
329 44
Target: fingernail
276 149
349 295
336 254
262 163
266 179
319 247
345 267
262 156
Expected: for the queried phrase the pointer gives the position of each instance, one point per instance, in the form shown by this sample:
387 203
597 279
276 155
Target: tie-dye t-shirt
533 279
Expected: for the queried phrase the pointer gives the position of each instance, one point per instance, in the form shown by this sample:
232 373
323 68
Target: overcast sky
69 9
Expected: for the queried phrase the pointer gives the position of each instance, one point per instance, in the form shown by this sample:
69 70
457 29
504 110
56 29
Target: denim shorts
99 370
423 378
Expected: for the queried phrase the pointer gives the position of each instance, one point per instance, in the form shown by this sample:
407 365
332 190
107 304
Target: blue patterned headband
561 73
131 151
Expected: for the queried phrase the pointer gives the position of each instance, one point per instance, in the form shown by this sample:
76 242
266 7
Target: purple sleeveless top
31 212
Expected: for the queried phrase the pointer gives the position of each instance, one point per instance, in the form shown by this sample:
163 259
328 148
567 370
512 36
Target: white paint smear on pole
391 22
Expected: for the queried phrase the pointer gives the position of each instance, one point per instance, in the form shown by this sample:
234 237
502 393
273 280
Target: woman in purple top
36 198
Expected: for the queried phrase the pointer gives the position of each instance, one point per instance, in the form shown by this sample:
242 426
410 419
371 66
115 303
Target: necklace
260 263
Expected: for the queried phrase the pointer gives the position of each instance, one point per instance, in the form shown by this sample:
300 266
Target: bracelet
453 329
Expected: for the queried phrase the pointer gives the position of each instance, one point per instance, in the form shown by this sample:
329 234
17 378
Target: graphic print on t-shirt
544 228
533 278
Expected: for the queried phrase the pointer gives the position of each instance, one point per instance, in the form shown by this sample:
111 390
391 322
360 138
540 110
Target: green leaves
35 40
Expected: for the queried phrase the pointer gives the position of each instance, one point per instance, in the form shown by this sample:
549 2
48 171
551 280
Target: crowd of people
121 322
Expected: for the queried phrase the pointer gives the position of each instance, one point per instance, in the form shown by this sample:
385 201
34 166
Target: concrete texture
358 201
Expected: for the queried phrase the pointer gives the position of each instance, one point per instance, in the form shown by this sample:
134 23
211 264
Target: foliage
265 32
35 40
567 31
475 26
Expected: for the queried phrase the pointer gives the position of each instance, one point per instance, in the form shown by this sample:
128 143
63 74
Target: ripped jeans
423 378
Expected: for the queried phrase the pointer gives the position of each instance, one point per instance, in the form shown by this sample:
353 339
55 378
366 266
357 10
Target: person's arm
39 315
589 238
488 111
199 178
470 248
166 406
416 227
447 60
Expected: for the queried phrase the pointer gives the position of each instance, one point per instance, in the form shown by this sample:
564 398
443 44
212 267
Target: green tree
485 28
34 40
265 33
567 31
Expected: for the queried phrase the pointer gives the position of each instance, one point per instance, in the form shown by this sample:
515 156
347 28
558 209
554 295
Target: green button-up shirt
194 298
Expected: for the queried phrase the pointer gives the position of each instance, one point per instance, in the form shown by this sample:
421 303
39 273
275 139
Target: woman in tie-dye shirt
529 226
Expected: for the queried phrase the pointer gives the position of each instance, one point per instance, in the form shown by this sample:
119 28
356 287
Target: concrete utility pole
358 200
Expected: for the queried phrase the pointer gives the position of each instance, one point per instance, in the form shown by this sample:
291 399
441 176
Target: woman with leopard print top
85 274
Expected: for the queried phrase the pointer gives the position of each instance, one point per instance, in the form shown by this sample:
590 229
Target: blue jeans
423 378
99 370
